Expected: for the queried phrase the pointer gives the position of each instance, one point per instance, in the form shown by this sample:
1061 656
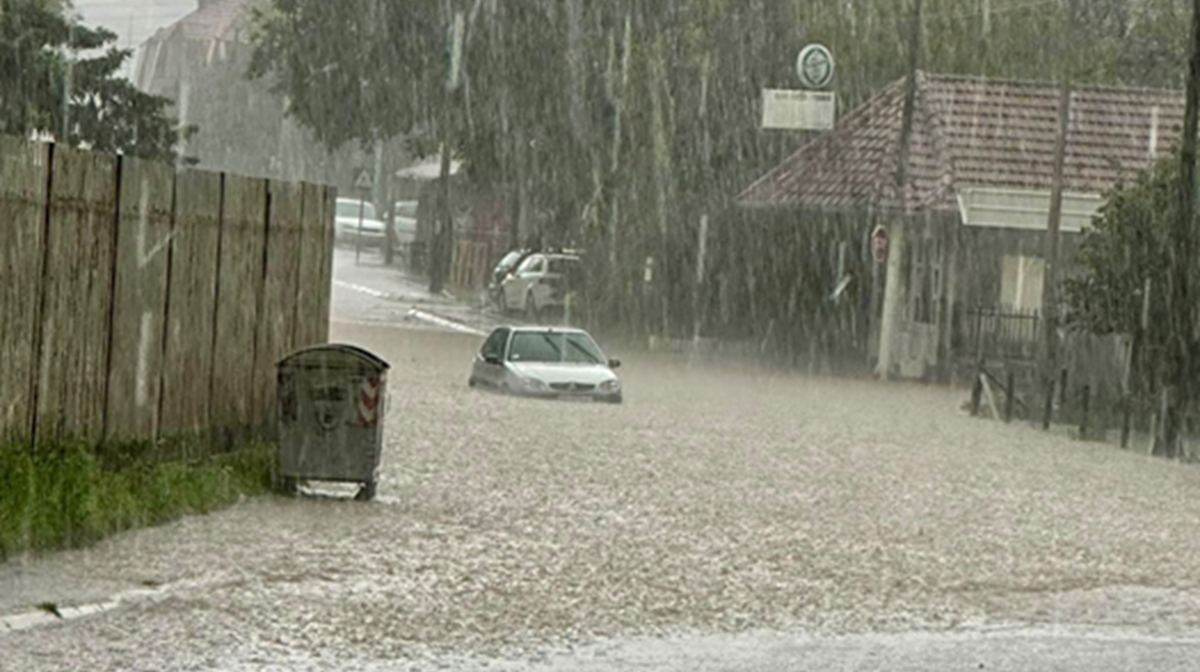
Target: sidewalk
404 296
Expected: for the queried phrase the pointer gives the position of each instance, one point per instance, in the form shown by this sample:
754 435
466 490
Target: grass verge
61 497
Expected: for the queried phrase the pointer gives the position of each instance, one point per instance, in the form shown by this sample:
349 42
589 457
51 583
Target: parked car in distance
506 266
549 362
346 223
406 221
541 283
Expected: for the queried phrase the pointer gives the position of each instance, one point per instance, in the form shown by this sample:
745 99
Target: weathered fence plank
239 285
187 363
77 296
311 268
278 314
136 303
143 250
24 175
329 201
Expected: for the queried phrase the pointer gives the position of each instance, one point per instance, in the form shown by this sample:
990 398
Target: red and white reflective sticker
368 401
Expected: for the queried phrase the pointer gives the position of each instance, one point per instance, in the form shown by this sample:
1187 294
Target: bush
61 497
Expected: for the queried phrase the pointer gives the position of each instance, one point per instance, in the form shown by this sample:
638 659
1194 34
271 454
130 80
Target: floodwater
715 500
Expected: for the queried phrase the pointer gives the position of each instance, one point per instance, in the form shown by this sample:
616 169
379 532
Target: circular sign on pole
814 66
879 244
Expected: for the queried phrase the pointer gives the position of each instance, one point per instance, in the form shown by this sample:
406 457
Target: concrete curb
445 323
52 615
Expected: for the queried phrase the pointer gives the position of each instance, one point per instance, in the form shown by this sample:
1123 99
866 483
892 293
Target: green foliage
1128 246
1125 254
370 78
42 65
61 497
624 163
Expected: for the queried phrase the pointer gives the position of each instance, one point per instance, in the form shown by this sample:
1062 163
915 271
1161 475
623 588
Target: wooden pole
1050 287
1049 355
1011 389
891 298
1063 377
1181 257
1126 413
443 243
1086 404
977 391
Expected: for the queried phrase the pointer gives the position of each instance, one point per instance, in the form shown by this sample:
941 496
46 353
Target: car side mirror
614 363
492 359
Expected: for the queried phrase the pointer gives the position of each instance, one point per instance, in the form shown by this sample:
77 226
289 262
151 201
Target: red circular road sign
879 244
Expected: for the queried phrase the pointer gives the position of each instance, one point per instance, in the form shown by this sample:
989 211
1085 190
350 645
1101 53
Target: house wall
926 296
771 278
243 128
982 261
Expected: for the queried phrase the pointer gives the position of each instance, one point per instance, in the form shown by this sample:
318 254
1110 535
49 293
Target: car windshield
350 209
406 209
508 260
548 346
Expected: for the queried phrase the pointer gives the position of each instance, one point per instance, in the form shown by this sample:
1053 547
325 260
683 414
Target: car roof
526 328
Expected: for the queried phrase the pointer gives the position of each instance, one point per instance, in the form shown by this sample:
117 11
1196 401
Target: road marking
42 617
440 321
363 289
414 314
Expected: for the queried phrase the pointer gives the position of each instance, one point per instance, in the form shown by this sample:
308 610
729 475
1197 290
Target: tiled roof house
972 132
977 193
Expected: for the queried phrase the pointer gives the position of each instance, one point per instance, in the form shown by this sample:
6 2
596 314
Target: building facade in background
200 62
968 227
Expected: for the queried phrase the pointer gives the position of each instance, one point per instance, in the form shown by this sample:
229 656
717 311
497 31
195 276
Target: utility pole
69 84
1053 238
1182 314
891 297
443 250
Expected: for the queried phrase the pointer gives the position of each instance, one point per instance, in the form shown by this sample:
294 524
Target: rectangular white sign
795 110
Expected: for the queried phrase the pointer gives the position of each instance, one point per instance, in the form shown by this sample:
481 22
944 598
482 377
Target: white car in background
346 224
540 283
549 362
406 221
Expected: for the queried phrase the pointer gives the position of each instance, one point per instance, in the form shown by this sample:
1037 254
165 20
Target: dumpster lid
321 353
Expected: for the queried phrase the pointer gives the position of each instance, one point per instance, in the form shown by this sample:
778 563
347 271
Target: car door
489 363
517 287
547 291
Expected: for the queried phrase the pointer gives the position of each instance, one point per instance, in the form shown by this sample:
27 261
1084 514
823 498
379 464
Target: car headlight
610 385
534 384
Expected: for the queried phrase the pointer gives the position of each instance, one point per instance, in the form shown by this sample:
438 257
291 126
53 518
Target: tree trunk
1182 313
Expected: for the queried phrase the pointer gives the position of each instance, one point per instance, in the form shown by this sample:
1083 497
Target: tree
1121 259
374 77
42 67
619 125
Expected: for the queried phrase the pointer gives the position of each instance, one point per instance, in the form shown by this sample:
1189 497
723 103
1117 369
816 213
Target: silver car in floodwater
549 362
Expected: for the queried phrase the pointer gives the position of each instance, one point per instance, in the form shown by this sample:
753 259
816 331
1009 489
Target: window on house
1021 283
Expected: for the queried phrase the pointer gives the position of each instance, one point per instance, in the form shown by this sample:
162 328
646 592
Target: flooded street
795 211
715 500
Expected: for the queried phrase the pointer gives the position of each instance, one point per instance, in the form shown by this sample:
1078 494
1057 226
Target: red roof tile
975 132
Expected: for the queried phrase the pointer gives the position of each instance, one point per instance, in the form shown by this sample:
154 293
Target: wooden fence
138 302
473 262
